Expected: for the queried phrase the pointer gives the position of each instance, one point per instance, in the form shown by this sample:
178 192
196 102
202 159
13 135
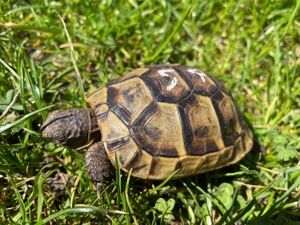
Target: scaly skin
98 165
76 128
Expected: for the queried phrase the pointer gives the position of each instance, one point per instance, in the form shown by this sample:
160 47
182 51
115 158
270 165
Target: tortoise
155 120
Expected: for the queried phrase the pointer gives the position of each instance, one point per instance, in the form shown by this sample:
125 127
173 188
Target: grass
252 46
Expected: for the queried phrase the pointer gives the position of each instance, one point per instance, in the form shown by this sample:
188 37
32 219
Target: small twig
268 170
260 186
10 69
73 189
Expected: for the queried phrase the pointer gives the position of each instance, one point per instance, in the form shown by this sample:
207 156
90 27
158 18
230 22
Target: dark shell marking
163 118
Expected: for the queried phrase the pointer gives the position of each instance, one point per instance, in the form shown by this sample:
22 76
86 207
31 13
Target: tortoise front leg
98 165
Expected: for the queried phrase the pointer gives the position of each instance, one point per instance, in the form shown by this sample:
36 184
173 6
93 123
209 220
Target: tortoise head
71 128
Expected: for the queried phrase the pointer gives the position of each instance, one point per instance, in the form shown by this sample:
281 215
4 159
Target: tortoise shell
159 119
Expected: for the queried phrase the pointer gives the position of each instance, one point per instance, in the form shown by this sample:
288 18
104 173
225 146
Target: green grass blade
81 209
79 80
176 28
22 213
24 118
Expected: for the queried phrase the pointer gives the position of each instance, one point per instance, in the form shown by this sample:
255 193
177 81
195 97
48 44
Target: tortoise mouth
57 136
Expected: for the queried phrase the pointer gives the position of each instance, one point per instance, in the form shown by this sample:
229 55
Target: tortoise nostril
69 134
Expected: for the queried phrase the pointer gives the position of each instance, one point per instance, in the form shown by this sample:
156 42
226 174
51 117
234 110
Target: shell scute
97 98
203 83
228 118
112 128
166 84
141 164
125 153
161 166
188 165
156 139
210 162
129 97
202 132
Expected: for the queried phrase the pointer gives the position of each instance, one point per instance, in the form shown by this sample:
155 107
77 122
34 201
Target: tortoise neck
94 131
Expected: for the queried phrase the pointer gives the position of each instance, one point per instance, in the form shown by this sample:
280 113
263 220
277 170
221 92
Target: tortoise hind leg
99 166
